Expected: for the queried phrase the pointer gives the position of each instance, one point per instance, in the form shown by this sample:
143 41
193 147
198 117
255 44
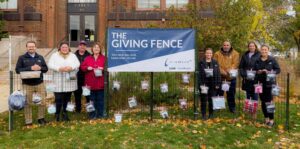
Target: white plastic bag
36 98
270 107
164 113
250 74
118 117
218 102
16 101
132 102
50 87
51 109
116 85
98 72
145 85
225 86
90 107
86 91
271 76
204 89
209 72
183 103
233 73
164 88
185 78
70 107
72 75
275 90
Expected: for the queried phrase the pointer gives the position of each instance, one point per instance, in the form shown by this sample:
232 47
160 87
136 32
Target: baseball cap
82 42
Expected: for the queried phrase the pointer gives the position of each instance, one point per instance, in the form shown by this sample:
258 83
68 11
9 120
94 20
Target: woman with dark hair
266 68
64 65
209 78
93 67
247 70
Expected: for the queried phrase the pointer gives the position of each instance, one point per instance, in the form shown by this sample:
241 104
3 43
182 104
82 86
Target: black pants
230 95
61 101
78 95
207 98
266 96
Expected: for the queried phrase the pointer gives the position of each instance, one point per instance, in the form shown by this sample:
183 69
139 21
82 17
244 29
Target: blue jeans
97 97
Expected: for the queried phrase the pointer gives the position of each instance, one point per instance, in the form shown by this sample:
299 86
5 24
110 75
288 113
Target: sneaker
42 121
28 124
270 124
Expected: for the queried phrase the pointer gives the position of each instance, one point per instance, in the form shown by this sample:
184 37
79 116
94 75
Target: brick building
53 21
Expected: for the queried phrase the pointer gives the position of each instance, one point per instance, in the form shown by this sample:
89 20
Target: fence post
287 102
196 95
151 99
10 119
106 91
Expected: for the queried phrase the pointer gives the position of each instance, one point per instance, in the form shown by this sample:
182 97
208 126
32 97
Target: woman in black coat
263 66
247 65
211 80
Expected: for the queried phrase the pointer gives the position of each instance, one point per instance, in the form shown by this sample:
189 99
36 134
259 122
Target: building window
9 5
148 4
176 3
82 1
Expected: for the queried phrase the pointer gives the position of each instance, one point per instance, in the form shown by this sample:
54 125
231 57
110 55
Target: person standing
65 66
93 67
265 65
81 54
247 72
34 87
228 59
209 77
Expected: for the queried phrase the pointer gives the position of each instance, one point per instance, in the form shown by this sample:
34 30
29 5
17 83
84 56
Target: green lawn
217 133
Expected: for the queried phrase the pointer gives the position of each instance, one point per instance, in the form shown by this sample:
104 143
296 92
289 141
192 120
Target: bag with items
51 109
250 106
270 107
275 90
16 101
90 107
251 74
30 74
218 102
36 98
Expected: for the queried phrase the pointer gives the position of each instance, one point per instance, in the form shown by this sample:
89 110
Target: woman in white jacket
65 66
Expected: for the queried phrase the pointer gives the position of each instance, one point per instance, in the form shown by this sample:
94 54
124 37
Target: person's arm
84 65
217 58
51 64
218 77
44 67
236 60
20 66
242 67
276 67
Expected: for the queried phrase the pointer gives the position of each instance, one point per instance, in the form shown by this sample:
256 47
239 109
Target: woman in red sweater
93 67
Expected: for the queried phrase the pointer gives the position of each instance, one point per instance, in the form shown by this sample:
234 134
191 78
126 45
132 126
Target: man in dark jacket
33 85
81 54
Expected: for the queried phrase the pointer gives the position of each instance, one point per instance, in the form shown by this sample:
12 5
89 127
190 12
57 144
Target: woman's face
251 47
208 54
264 51
96 49
64 49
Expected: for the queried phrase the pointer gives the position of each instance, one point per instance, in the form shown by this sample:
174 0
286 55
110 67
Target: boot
57 117
65 117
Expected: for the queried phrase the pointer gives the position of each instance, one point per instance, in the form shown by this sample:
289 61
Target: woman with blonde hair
93 67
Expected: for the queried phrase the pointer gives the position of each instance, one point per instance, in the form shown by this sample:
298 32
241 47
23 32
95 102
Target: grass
220 132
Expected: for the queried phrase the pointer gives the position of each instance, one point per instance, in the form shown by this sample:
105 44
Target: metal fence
144 96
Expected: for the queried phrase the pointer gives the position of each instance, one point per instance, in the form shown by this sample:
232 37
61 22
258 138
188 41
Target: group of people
218 69
71 72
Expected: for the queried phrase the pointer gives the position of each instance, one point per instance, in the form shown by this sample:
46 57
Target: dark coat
25 62
211 82
80 73
269 64
247 63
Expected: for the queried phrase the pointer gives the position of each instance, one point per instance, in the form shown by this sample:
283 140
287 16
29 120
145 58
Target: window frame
163 6
10 9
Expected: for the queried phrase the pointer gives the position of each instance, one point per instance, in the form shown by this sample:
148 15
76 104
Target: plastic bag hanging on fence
36 98
271 76
250 105
233 73
275 90
51 109
30 74
250 74
90 107
118 117
145 85
209 72
225 86
204 89
164 113
132 102
258 89
185 78
16 101
270 107
50 87
98 72
72 75
70 107
183 103
218 102
116 85
86 91
164 88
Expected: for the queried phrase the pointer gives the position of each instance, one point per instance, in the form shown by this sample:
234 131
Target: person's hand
35 67
217 87
90 68
68 68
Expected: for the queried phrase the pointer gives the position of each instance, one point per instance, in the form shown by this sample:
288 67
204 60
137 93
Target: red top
95 83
